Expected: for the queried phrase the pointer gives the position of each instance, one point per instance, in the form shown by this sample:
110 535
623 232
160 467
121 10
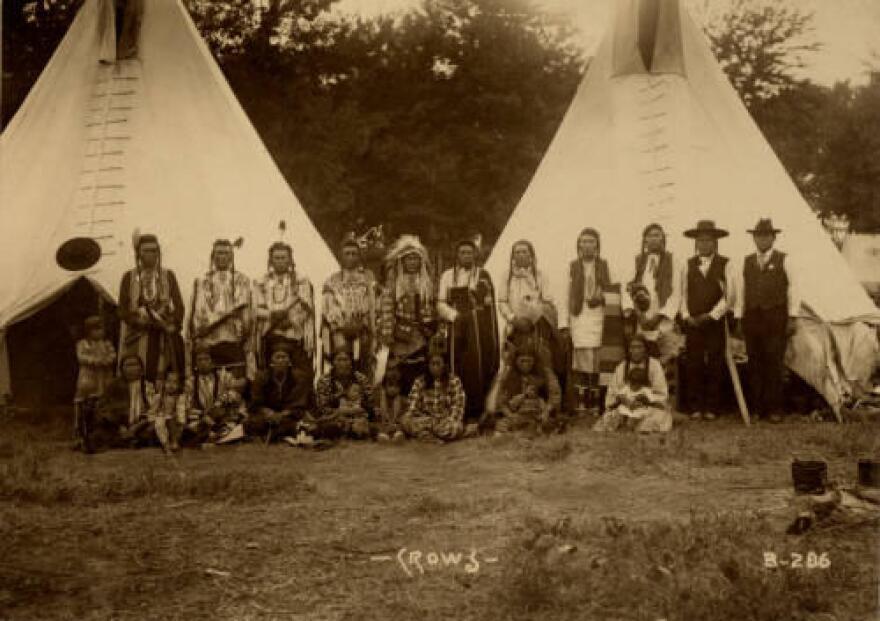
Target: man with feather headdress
220 319
406 316
151 311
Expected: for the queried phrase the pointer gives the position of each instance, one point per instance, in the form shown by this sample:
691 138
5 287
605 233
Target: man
221 310
407 316
151 311
282 399
708 290
349 309
768 312
583 319
466 301
285 310
652 298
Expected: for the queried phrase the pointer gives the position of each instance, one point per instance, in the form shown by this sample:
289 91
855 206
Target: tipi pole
734 375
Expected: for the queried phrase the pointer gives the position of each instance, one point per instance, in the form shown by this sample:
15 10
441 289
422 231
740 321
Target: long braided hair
228 244
534 266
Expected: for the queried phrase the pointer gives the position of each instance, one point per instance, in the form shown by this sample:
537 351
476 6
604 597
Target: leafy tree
31 32
762 46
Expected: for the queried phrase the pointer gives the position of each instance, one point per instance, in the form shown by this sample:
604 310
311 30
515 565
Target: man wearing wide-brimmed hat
708 290
767 309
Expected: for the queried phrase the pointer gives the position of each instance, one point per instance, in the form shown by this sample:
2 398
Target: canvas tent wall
862 252
656 133
157 142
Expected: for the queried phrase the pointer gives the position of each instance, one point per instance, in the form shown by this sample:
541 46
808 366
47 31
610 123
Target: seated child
635 394
392 407
96 357
168 413
527 410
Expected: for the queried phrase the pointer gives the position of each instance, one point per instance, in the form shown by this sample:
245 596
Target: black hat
705 227
764 227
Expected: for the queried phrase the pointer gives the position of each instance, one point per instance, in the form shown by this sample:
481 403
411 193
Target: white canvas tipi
156 142
656 133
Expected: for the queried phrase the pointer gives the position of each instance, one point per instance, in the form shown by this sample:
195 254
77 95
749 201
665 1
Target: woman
637 396
407 318
344 400
122 418
526 383
583 321
436 403
526 304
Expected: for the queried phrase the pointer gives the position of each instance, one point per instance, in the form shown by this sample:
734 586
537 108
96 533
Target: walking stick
734 375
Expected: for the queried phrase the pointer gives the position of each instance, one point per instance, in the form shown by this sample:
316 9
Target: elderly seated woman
637 396
528 395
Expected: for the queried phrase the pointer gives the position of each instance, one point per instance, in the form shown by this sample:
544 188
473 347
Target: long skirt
474 350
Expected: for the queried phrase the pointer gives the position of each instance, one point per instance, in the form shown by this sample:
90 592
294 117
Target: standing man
708 291
285 311
583 320
151 312
767 310
652 298
349 309
221 310
466 301
407 317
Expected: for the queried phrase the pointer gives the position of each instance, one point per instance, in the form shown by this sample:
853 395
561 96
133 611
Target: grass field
578 526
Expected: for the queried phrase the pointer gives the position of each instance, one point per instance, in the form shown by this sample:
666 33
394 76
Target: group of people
405 356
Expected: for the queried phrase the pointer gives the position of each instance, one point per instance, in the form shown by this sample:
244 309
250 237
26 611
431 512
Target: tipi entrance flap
647 38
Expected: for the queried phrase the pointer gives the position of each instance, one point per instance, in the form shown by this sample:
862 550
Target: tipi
154 140
656 133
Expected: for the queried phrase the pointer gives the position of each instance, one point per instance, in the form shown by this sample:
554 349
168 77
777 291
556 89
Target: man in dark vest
767 310
707 293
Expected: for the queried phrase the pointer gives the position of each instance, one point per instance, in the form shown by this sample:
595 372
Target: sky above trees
849 30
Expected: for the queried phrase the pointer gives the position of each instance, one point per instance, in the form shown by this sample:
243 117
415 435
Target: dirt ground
545 527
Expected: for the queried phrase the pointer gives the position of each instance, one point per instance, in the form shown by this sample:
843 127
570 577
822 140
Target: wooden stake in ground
734 375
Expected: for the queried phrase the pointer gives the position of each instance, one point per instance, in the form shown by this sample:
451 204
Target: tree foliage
762 46
433 121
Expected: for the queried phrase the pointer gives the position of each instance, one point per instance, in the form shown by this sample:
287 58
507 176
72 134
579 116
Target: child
96 357
168 412
635 394
392 406
350 401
